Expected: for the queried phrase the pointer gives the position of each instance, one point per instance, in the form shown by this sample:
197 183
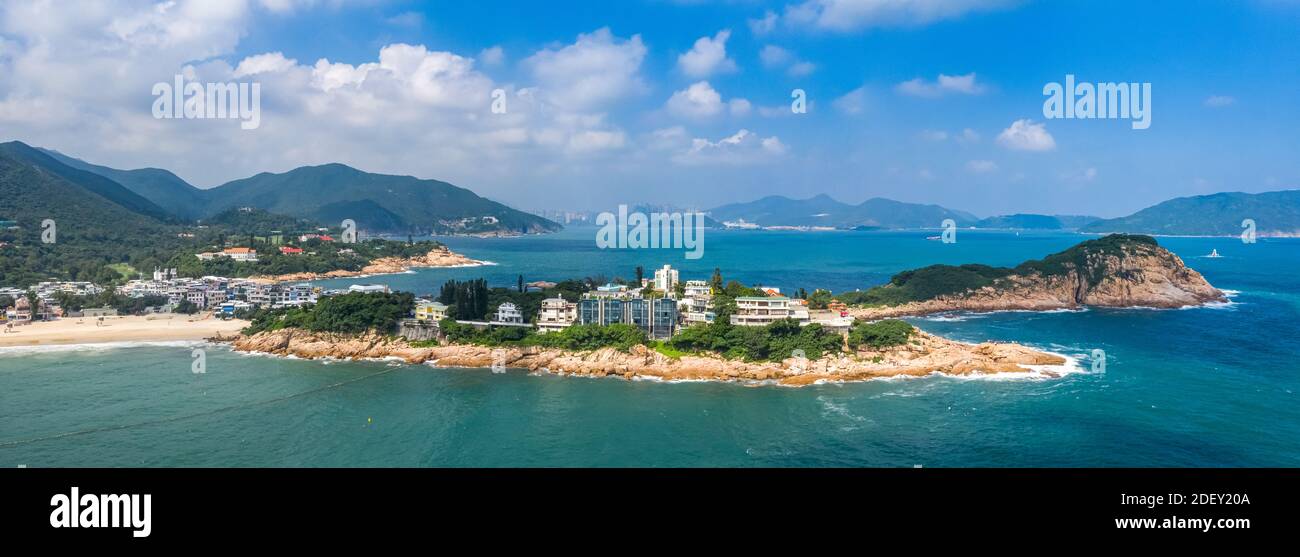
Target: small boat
933 237
1214 253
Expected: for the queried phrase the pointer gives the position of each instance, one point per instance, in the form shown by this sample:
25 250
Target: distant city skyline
683 103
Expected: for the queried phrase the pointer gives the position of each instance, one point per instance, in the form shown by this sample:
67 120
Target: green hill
98 223
383 202
163 188
1220 214
926 283
327 194
94 183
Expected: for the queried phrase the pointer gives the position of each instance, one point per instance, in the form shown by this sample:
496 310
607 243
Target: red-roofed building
287 250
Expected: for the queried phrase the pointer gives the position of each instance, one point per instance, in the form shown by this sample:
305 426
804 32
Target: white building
759 311
508 313
368 288
556 314
698 289
666 278
695 310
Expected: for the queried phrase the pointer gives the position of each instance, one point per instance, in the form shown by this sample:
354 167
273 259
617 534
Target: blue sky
682 102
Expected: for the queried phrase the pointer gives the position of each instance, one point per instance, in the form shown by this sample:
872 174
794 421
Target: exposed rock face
438 257
926 354
1143 275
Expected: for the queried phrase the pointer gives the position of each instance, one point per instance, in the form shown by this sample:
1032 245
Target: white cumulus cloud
597 69
961 84
1026 135
853 15
707 57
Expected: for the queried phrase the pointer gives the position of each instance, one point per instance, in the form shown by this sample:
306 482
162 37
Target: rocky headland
437 257
923 355
1116 271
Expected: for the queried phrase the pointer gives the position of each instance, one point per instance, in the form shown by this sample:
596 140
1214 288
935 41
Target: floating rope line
11 444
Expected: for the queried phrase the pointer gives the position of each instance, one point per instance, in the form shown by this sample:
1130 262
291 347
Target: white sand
88 330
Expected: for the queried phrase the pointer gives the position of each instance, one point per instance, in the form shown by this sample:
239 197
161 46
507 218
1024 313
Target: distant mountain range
1221 214
1023 221
325 194
144 199
1274 213
823 211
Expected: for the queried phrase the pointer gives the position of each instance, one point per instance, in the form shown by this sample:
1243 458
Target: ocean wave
99 346
953 317
1034 373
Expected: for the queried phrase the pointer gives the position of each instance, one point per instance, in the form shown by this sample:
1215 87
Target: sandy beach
119 329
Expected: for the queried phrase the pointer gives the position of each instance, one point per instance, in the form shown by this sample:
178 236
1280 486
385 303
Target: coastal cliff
1115 271
925 354
438 257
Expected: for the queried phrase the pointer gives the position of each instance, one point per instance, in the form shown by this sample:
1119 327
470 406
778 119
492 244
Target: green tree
880 334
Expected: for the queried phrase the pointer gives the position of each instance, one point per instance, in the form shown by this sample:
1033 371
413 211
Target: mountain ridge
823 210
1276 213
325 193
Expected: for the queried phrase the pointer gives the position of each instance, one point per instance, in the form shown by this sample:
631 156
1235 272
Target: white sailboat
1214 253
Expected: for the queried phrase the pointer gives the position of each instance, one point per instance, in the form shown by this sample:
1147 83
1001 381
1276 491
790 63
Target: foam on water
97 347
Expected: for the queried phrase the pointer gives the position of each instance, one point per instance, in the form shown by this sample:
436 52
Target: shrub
880 334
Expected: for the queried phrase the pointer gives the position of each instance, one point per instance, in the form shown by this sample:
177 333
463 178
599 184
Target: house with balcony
758 311
698 289
556 314
508 313
430 312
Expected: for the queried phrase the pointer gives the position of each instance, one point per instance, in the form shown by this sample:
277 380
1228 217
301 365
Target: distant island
1222 214
1119 270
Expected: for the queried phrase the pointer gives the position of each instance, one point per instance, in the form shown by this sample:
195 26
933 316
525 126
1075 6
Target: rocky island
1119 270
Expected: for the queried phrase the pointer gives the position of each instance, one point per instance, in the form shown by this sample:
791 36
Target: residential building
508 313
610 290
657 317
556 314
698 289
240 254
289 250
430 312
695 310
368 288
666 278
759 311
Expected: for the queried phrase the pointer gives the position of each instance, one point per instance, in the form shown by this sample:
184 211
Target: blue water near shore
1211 386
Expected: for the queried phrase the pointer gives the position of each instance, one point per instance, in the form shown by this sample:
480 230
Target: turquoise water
1195 387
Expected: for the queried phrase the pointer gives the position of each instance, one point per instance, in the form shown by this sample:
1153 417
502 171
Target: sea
1209 386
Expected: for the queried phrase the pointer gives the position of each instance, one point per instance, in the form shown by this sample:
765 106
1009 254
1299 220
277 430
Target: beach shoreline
149 328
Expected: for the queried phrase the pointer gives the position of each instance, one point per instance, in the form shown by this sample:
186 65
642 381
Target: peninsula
1119 270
